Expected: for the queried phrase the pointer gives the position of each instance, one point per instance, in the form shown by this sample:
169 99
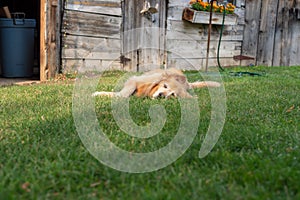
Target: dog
158 83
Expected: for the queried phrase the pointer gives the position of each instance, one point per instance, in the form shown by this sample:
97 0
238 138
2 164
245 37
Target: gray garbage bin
17 47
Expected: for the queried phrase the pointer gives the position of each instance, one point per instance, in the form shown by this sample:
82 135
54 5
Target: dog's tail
201 84
104 94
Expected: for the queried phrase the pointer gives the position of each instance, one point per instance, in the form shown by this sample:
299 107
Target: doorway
29 9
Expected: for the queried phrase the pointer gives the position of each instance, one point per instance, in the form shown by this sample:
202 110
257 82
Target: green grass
256 157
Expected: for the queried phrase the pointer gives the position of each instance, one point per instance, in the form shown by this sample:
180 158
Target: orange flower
193 1
203 4
230 5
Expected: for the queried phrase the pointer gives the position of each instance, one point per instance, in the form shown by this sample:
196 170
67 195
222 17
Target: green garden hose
218 53
220 39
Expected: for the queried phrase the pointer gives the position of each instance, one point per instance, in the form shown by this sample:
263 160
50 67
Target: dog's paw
96 94
212 84
103 94
200 84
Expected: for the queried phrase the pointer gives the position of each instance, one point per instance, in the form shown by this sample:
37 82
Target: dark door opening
31 9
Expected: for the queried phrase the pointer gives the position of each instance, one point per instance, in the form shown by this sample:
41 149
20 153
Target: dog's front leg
129 88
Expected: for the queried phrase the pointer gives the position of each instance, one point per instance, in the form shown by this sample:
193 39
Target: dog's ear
180 79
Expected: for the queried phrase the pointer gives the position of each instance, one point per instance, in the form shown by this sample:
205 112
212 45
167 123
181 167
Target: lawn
256 157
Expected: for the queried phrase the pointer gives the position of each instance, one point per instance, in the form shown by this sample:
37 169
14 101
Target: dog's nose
172 94
161 94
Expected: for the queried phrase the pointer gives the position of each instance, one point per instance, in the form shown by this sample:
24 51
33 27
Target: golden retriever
159 83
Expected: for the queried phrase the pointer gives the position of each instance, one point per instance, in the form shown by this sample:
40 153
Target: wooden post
43 53
6 12
209 32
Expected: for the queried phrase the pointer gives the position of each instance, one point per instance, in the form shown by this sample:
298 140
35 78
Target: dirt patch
17 81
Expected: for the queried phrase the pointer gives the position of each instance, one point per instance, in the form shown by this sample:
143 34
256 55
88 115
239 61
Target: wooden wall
272 32
91 38
187 42
94 35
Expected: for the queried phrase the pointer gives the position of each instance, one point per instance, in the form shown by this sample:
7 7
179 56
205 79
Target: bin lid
13 23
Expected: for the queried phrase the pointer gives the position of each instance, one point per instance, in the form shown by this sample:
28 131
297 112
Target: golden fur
158 83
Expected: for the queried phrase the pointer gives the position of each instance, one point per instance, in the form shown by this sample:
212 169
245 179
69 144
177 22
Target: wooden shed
116 33
137 35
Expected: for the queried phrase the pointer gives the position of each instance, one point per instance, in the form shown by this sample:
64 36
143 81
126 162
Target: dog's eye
165 86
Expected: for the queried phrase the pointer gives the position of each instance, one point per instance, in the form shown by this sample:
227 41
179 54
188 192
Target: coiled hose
218 54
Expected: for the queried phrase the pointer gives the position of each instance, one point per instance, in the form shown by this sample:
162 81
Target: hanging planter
199 13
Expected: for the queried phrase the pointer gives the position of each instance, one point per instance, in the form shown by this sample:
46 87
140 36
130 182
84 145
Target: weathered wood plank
267 32
250 38
163 10
290 34
186 30
277 51
240 11
175 13
80 47
199 64
144 36
195 54
94 25
197 49
82 54
153 38
294 48
287 37
149 38
53 27
132 21
74 65
109 7
178 3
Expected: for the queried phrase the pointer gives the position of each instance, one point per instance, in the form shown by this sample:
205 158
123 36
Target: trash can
17 47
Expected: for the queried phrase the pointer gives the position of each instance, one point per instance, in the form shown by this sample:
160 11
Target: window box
202 17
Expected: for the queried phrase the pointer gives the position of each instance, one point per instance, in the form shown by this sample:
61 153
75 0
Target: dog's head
171 83
162 89
171 86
